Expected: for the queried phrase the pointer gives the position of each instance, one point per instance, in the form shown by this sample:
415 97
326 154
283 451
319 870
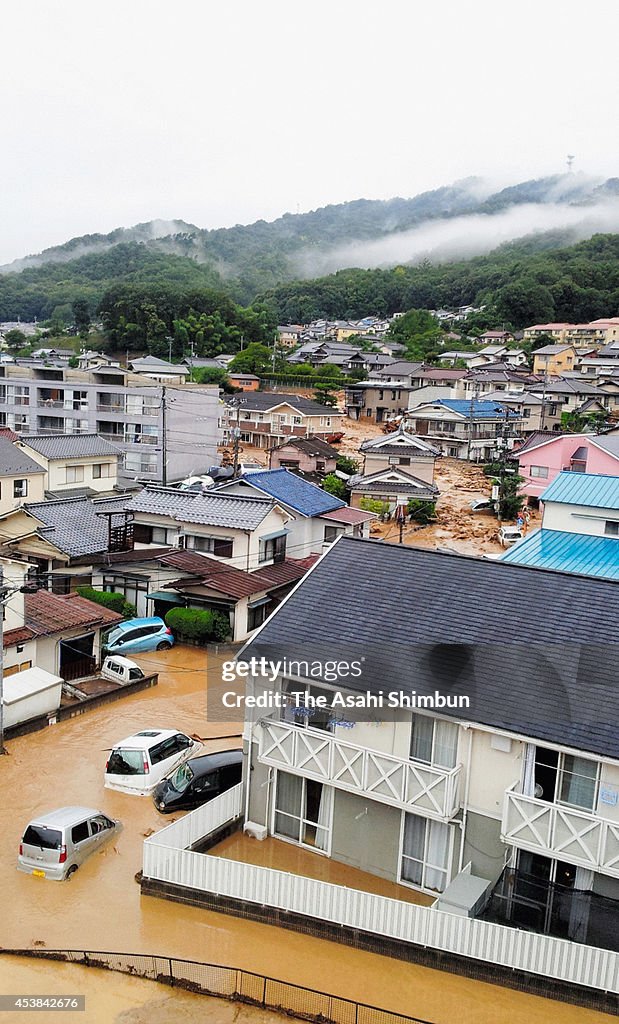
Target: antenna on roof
570 161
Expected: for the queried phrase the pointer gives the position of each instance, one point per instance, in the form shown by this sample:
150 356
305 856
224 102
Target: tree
379 508
324 395
81 317
255 358
347 465
15 339
333 485
421 511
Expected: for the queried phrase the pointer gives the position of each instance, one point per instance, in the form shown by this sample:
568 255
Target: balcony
409 785
113 407
554 830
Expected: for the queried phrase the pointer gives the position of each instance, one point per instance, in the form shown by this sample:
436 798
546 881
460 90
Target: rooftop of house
47 613
567 386
401 442
291 490
592 489
512 639
208 507
264 401
14 461
151 363
309 445
70 446
228 580
74 526
441 373
401 368
478 409
567 552
551 350
535 440
394 478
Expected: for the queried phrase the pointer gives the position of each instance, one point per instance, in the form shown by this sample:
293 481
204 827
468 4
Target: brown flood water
101 907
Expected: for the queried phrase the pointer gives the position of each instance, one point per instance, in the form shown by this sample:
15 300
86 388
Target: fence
230 983
167 860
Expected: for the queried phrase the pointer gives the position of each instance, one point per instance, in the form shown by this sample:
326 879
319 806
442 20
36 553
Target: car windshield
44 838
126 762
181 778
112 636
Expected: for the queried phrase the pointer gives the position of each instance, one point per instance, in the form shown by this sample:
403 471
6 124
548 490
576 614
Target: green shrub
115 602
198 624
380 508
422 511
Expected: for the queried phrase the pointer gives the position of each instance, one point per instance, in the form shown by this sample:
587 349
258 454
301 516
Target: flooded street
101 907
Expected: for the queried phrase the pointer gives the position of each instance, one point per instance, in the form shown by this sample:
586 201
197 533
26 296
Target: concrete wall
420 466
370 842
36 487
577 518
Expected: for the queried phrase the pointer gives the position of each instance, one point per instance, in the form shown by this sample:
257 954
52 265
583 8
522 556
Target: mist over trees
519 285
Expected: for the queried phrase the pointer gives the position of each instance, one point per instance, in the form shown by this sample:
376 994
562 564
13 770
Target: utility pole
236 437
471 420
503 459
5 594
164 436
542 419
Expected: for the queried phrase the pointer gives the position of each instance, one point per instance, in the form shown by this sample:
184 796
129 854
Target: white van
137 763
121 670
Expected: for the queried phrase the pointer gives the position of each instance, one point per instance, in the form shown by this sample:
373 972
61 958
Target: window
101 470
80 832
289 463
563 779
259 613
273 549
297 421
331 533
74 474
221 546
425 852
396 460
20 488
611 528
142 534
539 472
526 414
303 811
434 741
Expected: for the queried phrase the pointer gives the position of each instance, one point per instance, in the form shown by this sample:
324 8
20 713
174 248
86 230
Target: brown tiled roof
281 573
136 555
16 636
48 613
212 574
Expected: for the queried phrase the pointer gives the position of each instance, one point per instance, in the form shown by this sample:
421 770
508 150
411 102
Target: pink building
543 456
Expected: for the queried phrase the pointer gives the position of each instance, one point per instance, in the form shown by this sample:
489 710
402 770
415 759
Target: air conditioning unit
179 541
251 828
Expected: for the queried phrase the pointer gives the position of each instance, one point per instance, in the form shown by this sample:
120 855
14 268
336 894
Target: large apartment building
165 432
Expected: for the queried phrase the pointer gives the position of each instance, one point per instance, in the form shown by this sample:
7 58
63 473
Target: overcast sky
223 113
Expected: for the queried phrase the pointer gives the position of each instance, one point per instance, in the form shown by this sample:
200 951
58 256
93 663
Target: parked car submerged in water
139 635
198 780
508 535
55 844
137 763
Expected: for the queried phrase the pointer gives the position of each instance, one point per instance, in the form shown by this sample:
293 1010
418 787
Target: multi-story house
83 463
534 411
265 419
376 402
462 429
542 457
165 432
306 455
441 723
396 468
580 527
21 477
553 360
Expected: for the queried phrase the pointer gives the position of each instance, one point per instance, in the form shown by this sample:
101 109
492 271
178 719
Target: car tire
163 646
71 871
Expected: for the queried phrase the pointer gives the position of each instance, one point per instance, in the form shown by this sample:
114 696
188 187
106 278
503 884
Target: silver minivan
55 844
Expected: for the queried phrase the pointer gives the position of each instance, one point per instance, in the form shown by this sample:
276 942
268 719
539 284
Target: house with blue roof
317 518
462 428
580 527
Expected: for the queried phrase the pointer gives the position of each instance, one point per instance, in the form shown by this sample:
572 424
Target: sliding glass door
303 811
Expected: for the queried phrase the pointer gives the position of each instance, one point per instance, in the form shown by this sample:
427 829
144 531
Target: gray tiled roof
405 484
70 446
14 461
263 400
512 638
72 524
206 507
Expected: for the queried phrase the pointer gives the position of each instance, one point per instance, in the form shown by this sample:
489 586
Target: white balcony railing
410 785
554 830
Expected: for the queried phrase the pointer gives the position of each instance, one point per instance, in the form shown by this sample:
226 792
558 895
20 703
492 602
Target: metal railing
165 859
230 983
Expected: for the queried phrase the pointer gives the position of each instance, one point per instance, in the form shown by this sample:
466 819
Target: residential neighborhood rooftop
593 489
567 552
73 524
47 613
263 401
291 490
209 507
14 461
69 446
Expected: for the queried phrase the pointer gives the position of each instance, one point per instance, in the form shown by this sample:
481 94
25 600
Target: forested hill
518 284
459 220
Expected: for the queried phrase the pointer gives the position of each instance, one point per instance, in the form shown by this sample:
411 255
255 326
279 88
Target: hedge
115 602
195 624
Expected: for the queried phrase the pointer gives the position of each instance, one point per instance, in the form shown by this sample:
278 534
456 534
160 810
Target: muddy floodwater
101 908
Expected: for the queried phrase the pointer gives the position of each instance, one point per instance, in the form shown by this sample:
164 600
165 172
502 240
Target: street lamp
6 593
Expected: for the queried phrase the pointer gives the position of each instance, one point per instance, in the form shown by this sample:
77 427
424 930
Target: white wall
577 518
